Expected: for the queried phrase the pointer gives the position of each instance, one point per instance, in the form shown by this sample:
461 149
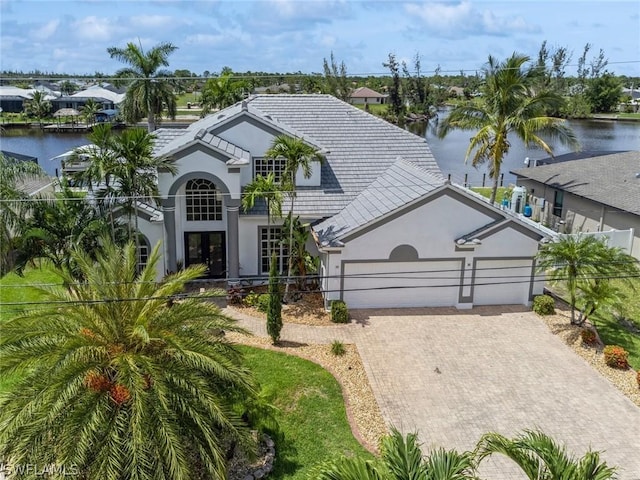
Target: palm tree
540 457
12 207
268 189
100 157
149 91
56 225
90 109
221 92
508 106
297 155
577 260
136 172
38 106
120 382
401 459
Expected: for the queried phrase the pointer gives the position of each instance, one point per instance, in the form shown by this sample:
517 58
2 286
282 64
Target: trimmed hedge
339 312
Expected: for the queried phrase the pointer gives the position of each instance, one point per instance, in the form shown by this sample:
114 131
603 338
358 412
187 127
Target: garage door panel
401 284
502 282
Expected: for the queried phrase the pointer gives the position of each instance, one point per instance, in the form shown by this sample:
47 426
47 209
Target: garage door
502 282
401 284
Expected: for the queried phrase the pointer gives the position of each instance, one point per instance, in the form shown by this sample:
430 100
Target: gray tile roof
609 179
360 146
399 185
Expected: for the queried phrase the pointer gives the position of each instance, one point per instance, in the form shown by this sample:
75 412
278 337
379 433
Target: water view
594 135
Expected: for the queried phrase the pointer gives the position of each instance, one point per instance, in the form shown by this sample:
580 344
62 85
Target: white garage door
502 282
401 284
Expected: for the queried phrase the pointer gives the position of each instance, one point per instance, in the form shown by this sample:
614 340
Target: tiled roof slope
610 179
360 146
402 183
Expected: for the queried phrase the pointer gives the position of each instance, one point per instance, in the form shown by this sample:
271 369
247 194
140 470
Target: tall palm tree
120 382
508 106
135 174
401 459
540 457
38 105
270 191
577 260
297 155
13 173
100 157
149 91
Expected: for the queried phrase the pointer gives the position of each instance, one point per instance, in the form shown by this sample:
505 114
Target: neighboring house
364 95
12 99
378 203
105 97
587 195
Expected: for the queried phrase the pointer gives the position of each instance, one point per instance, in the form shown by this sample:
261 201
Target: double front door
208 248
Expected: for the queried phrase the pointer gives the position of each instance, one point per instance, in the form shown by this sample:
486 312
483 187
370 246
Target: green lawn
375 109
311 412
15 289
486 192
183 99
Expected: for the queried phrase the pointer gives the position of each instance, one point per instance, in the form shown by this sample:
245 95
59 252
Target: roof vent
244 105
201 133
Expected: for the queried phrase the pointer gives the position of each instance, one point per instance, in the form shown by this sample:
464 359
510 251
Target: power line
253 75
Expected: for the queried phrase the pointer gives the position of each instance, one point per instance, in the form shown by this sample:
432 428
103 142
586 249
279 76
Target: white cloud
93 28
152 21
442 16
46 31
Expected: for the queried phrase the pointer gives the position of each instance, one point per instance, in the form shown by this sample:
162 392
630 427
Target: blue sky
286 35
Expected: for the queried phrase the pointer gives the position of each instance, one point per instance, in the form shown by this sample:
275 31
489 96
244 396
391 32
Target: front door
208 248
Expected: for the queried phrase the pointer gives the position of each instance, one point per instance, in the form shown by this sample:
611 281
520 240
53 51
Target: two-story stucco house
389 229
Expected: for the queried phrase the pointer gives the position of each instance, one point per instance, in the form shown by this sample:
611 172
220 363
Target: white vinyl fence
614 238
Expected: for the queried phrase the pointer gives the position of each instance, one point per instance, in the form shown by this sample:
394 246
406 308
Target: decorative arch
404 253
173 190
203 200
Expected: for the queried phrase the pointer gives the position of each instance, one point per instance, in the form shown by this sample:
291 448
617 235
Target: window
203 201
143 252
276 246
558 200
264 166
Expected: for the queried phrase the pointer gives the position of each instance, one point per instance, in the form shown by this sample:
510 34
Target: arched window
204 202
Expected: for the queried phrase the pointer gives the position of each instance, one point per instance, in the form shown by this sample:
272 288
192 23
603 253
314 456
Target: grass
183 99
311 413
16 289
629 116
486 192
374 108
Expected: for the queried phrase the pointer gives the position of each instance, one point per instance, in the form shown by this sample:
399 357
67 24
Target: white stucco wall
154 233
432 229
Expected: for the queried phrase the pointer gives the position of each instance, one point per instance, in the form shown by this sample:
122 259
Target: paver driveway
453 375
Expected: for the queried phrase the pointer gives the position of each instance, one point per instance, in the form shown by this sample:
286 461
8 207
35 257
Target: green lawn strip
16 289
311 412
486 192
376 109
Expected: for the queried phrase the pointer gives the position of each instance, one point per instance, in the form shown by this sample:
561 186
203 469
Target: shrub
339 312
262 303
273 302
588 336
235 295
544 305
638 378
616 357
337 348
251 300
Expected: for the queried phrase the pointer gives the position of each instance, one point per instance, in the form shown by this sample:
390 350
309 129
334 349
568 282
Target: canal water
594 135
